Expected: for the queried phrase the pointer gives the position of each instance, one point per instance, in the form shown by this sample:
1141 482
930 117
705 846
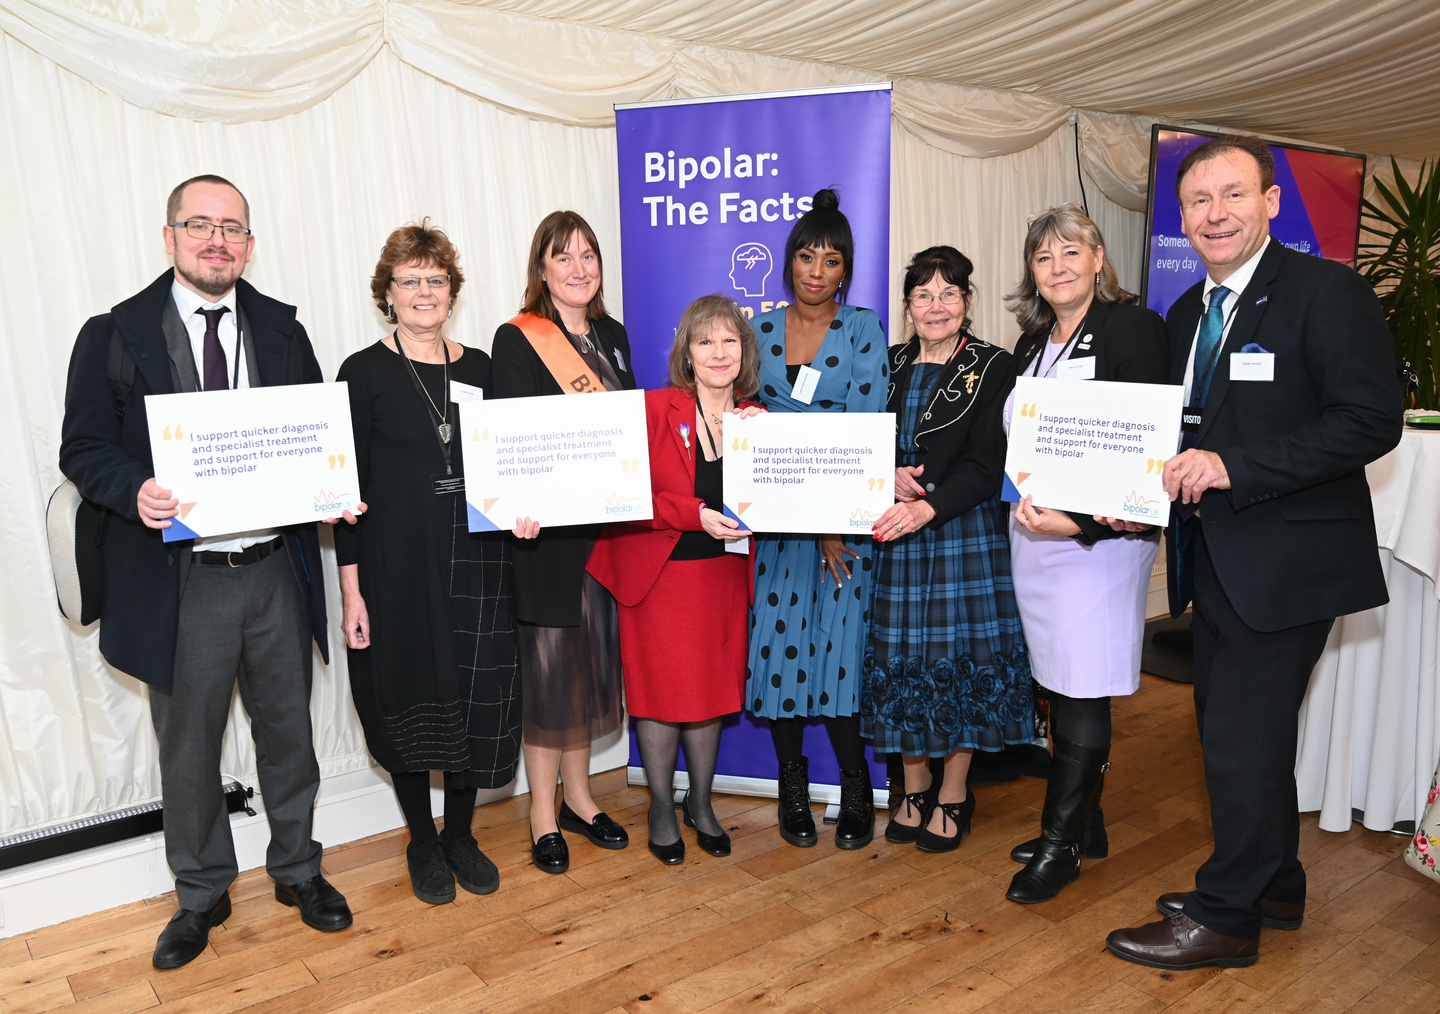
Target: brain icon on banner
710 189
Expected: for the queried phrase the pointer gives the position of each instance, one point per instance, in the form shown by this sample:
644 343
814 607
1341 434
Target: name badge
448 485
805 385
465 392
1076 369
1191 417
1252 366
741 546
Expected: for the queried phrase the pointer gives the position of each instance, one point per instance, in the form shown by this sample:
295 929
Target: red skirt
684 647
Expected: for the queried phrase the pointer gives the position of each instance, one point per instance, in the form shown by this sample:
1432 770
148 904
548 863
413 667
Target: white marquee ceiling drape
342 119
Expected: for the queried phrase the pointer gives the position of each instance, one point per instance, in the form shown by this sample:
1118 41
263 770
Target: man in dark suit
1290 391
193 618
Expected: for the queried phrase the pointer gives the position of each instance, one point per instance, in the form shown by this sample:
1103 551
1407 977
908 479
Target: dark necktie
217 377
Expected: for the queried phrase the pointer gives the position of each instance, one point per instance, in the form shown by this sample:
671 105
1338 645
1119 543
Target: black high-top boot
1075 775
855 827
797 823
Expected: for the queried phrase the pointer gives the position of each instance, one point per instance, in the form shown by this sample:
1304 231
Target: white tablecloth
1370 723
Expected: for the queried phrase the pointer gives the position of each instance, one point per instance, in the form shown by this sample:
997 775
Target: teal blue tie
1207 345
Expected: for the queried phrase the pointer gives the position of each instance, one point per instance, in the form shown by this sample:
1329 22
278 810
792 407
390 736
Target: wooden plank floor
776 928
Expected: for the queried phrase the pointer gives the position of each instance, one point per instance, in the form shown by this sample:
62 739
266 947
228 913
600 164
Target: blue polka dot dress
807 637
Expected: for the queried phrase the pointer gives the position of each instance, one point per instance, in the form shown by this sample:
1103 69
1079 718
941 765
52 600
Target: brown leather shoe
1181 943
1274 914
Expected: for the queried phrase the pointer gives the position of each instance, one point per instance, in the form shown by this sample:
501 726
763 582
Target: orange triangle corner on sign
186 508
1022 476
745 506
490 502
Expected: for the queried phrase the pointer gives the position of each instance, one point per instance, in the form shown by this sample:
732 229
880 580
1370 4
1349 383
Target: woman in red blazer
684 580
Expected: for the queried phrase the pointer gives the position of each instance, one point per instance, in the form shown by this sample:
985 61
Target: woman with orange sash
563 343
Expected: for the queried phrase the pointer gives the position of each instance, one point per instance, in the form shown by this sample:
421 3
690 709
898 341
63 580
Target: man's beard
216 283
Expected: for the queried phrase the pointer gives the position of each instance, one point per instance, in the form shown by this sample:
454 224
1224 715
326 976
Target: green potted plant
1403 264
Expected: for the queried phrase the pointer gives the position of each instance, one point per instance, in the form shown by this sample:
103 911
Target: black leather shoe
184 938
472 868
430 876
1180 943
1094 842
855 825
550 853
715 844
602 831
671 855
1273 914
321 906
797 822
951 814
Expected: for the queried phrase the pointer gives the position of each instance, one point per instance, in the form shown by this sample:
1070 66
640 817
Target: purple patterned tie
216 375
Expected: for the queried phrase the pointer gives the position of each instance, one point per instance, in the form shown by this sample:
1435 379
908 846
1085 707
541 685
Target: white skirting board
349 807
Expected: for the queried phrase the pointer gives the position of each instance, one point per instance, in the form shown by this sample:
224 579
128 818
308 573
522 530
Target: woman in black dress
428 611
567 629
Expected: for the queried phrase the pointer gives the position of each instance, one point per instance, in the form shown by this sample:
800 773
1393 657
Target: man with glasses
191 619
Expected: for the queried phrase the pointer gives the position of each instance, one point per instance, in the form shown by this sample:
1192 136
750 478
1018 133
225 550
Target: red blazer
628 557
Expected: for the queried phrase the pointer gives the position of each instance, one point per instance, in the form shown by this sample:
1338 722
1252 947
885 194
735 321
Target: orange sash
558 355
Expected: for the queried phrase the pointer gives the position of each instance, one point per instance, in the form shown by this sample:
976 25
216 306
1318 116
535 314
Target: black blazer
109 460
549 570
959 434
1293 539
1129 345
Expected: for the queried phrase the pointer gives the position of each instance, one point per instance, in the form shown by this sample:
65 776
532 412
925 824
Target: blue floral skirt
946 665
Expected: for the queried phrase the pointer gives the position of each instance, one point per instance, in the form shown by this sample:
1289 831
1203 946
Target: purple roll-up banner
709 191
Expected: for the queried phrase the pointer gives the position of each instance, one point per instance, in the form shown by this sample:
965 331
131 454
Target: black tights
412 788
1084 721
845 740
659 751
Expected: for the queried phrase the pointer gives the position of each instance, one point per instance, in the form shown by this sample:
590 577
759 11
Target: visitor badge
741 546
1252 366
1076 369
465 392
805 385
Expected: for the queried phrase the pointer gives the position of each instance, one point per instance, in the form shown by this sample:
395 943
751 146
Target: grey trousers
248 625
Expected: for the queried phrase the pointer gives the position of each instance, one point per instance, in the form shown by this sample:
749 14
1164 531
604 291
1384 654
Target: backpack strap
120 372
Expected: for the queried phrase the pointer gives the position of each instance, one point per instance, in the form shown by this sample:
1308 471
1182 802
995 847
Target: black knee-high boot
1094 841
1075 776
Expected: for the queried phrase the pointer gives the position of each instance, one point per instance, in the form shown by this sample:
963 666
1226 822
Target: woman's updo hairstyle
951 265
822 226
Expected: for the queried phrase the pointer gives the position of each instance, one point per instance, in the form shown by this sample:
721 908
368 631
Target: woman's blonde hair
1067 223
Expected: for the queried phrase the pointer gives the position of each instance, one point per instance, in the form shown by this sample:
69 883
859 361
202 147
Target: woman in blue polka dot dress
812 592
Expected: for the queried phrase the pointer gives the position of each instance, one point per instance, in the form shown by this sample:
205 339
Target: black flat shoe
185 936
472 868
715 844
430 876
671 855
958 814
321 906
550 853
602 831
905 834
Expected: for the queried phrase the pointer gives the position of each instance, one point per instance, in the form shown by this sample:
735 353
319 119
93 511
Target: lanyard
713 449
440 421
1063 352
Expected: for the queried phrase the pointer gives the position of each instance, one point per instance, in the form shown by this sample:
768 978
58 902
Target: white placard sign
258 457
810 472
1093 447
559 460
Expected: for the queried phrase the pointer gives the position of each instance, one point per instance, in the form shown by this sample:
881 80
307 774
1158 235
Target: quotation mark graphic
334 458
1154 465
1027 410
476 436
740 445
876 484
630 465
178 434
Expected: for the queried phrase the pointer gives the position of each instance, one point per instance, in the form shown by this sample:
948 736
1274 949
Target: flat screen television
1320 193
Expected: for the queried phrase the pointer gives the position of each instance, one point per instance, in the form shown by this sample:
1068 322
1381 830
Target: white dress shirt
1236 283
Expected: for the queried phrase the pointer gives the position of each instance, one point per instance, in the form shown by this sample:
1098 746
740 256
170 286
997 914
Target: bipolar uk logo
750 265
329 503
621 505
1137 505
861 518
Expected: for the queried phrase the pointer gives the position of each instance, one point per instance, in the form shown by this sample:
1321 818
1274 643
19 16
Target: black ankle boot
797 823
1075 775
855 827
